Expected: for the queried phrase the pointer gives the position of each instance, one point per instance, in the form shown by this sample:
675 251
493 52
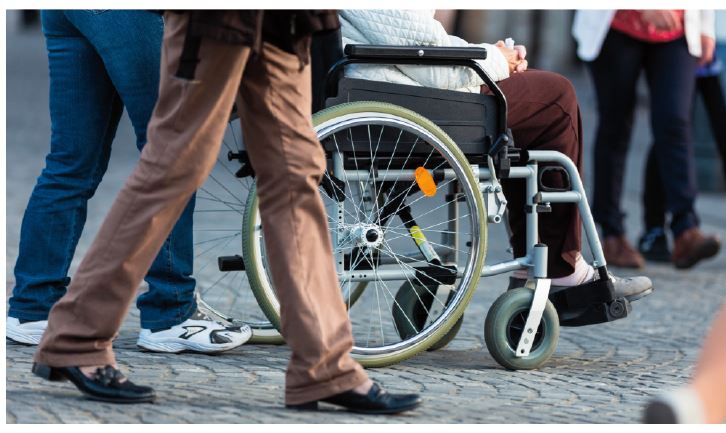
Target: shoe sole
384 411
30 339
640 295
313 407
124 401
189 347
51 374
179 348
705 252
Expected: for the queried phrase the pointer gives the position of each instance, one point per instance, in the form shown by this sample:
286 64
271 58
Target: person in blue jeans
99 63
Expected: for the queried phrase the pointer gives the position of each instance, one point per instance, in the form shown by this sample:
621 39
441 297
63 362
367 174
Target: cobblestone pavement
598 374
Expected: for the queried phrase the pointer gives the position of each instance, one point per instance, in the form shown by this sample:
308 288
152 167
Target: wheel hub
367 235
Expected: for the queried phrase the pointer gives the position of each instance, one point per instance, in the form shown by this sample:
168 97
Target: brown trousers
543 114
185 132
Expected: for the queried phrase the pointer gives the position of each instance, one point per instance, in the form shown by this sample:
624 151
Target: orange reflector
425 182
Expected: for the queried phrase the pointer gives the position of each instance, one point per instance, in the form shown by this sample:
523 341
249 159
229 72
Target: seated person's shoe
25 332
692 246
630 288
198 334
107 384
376 401
653 245
618 252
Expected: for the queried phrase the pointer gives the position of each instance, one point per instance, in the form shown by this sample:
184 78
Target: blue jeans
99 62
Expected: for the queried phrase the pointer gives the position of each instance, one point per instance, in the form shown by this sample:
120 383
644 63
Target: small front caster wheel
504 326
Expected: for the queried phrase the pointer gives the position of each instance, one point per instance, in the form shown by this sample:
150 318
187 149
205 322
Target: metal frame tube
539 261
583 206
500 268
338 170
532 216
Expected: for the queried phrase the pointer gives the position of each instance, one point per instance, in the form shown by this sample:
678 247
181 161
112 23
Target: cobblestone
602 373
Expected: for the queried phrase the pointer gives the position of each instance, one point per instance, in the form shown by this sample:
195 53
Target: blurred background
546 34
550 46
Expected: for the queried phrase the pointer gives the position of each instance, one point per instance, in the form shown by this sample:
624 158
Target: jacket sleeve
495 65
419 28
708 23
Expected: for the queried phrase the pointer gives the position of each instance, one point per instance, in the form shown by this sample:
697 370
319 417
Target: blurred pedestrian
29 18
667 45
653 244
704 399
100 62
209 59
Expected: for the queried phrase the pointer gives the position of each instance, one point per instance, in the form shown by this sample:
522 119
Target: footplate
590 303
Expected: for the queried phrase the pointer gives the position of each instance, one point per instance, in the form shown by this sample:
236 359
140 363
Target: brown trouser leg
184 138
289 163
543 115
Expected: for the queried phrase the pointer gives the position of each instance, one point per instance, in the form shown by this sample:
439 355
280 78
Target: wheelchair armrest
414 52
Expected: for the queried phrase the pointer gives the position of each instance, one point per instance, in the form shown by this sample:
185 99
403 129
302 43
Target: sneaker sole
176 347
179 348
29 339
640 295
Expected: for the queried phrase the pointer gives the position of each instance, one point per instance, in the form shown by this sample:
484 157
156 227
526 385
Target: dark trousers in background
670 75
654 208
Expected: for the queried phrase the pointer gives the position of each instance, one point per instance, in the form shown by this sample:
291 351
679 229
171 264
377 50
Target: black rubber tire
394 353
448 337
410 315
500 330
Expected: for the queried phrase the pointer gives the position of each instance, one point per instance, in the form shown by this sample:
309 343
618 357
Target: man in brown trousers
209 60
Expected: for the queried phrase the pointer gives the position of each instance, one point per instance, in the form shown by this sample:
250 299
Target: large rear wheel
403 207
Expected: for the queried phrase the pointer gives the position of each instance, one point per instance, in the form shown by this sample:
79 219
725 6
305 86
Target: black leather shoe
106 385
376 401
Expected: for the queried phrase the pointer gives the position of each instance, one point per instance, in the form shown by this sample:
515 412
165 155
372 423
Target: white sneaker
199 333
25 332
631 288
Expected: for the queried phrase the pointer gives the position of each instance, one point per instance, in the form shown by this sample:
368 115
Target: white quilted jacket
414 27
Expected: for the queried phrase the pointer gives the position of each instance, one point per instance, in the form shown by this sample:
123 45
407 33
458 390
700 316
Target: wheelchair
413 180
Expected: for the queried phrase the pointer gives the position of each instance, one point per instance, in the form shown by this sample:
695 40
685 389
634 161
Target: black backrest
470 119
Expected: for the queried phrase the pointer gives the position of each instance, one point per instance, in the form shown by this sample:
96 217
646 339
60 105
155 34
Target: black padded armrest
414 52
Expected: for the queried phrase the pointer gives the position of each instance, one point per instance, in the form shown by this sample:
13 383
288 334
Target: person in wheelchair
543 114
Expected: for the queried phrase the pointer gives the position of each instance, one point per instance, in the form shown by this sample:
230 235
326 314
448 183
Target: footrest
589 304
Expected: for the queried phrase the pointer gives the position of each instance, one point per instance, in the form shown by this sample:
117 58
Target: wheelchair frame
586 304
599 306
